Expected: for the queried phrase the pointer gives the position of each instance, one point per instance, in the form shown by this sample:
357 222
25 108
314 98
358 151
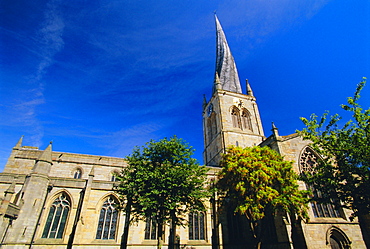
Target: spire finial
19 143
274 130
249 89
204 101
46 155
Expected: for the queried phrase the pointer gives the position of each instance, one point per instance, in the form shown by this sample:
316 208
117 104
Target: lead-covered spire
225 64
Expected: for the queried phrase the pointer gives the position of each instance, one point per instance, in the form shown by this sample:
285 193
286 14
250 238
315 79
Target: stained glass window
197 226
151 229
308 162
57 218
107 220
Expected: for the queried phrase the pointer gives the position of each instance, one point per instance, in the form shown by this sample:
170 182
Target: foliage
162 179
258 180
344 172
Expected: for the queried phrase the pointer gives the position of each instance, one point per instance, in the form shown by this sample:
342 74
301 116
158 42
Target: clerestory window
77 174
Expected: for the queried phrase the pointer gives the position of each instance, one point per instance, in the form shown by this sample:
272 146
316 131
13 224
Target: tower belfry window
209 130
235 117
211 127
246 120
214 124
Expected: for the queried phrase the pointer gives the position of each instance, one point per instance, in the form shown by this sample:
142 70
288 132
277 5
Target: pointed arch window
337 239
57 218
214 124
107 224
209 129
308 162
246 120
77 174
197 228
235 117
150 229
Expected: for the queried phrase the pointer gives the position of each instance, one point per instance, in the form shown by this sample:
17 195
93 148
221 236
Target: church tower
229 117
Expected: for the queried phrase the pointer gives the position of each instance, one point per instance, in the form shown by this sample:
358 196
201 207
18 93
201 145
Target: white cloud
121 143
261 18
49 38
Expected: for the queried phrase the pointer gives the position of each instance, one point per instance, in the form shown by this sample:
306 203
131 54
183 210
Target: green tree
162 182
344 172
259 182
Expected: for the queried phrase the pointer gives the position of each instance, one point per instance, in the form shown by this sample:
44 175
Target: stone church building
52 199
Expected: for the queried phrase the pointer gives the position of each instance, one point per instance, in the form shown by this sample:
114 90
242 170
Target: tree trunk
172 235
159 235
214 239
256 230
127 225
364 221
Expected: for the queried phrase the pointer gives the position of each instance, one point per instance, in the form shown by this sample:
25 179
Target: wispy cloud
259 19
50 41
122 142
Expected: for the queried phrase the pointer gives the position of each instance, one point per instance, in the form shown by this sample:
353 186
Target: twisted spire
225 64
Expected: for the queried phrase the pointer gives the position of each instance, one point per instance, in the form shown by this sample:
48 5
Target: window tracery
235 117
107 224
246 120
308 162
57 217
337 239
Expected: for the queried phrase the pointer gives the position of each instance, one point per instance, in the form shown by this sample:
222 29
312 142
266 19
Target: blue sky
100 77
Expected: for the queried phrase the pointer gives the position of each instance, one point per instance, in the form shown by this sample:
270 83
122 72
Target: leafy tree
162 181
344 172
259 182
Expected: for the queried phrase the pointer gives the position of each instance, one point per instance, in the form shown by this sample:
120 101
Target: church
53 199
